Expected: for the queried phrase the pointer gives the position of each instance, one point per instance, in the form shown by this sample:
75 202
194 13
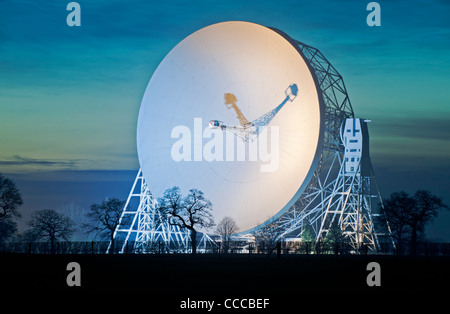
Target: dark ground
287 281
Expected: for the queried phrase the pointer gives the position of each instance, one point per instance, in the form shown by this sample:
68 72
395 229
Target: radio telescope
252 118
237 73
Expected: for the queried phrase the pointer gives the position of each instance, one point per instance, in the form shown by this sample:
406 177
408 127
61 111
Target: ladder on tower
354 192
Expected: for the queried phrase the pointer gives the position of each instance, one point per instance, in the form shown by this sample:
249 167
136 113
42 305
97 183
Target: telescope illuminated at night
253 118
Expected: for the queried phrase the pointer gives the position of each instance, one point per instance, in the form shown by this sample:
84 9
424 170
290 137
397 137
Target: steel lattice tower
334 192
340 189
143 225
147 230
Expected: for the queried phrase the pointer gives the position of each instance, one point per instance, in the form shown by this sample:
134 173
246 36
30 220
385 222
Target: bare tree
395 209
51 225
426 208
105 218
10 198
191 212
226 227
409 214
79 217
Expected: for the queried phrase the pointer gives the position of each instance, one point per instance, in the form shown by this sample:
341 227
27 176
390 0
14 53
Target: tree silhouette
427 207
104 218
410 214
10 198
334 234
226 227
191 212
396 209
266 237
51 225
8 228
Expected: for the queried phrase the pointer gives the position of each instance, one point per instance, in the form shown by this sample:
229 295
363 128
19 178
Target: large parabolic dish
267 127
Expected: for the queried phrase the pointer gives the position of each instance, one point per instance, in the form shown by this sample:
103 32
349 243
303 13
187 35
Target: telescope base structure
143 229
341 194
342 204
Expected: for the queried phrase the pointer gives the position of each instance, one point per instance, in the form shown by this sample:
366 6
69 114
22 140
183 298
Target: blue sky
69 96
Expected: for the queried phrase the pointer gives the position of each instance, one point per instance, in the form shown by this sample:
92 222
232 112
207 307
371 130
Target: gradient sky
70 96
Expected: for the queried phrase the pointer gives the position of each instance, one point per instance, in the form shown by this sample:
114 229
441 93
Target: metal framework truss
332 193
350 206
264 120
310 207
143 225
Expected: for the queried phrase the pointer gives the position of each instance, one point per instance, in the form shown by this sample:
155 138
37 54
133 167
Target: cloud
26 161
72 176
433 128
411 144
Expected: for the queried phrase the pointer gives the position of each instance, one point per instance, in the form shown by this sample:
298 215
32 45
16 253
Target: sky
70 96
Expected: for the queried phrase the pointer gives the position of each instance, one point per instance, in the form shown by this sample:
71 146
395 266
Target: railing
281 248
